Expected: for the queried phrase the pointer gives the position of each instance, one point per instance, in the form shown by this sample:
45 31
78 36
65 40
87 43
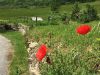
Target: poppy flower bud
41 53
48 60
83 29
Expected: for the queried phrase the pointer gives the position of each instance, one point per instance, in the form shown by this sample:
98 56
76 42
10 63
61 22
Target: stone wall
9 26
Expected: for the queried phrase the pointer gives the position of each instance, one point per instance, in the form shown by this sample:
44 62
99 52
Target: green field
23 12
5 13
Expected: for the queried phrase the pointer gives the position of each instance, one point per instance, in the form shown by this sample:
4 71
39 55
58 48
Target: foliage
36 3
84 16
42 23
55 4
54 19
65 18
75 12
91 13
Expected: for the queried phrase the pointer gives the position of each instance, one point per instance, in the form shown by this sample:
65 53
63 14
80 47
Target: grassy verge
19 64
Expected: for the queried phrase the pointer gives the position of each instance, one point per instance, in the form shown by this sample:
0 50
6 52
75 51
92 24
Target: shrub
91 13
42 23
75 12
54 19
55 5
65 18
83 17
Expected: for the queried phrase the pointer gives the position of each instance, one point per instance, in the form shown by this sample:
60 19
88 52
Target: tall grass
77 54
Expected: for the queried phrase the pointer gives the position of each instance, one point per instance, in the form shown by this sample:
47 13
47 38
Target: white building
38 18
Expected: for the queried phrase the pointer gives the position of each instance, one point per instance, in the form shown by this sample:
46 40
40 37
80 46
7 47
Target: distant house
38 18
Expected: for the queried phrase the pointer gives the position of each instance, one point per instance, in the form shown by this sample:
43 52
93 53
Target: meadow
70 53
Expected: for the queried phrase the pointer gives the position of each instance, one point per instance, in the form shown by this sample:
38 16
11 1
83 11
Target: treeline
82 1
36 3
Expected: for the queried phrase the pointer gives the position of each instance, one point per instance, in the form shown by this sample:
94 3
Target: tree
87 15
83 17
55 4
39 3
75 12
91 12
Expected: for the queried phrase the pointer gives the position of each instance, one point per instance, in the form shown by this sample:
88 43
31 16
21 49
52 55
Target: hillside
4 13
40 3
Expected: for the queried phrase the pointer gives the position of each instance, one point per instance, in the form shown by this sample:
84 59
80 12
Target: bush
90 14
75 12
65 18
42 23
54 18
83 17
55 5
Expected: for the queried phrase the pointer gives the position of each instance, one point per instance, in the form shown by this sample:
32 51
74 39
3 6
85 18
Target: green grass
6 13
73 57
62 31
19 64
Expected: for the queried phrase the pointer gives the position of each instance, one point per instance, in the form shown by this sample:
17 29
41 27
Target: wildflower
83 29
41 53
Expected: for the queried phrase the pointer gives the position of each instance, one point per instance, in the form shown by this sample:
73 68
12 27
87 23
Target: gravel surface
5 45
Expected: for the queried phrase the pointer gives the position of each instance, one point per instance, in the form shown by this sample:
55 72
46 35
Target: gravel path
5 46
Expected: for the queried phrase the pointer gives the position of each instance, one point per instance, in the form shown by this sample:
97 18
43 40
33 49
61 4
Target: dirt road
5 45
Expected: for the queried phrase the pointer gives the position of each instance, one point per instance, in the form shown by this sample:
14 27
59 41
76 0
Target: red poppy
41 53
83 29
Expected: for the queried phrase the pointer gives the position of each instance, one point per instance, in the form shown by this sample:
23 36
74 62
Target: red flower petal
41 53
83 29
